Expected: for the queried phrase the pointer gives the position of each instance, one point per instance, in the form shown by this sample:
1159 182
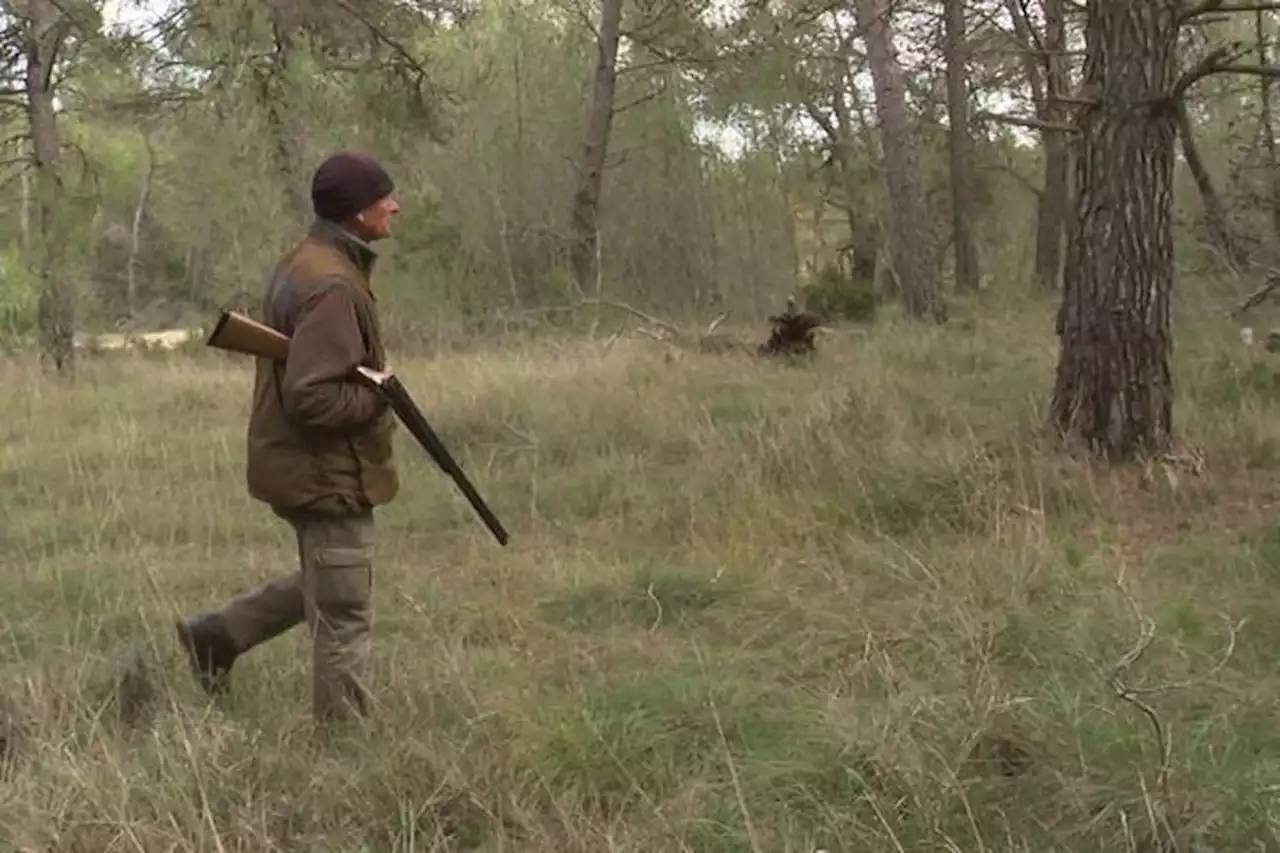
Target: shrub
19 295
837 296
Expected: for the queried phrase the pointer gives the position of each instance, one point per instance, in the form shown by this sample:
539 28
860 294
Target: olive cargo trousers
332 592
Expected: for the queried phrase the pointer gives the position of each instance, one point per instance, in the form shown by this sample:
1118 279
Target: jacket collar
352 247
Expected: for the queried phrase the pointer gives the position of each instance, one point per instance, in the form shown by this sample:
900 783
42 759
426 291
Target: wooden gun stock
234 332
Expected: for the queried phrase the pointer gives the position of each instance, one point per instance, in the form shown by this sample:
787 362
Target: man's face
375 221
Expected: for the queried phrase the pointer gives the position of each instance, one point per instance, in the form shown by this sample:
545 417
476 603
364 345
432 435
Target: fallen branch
1115 680
634 312
1258 296
709 340
666 332
1133 695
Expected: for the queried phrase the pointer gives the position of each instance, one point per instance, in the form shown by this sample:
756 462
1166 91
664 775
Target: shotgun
234 332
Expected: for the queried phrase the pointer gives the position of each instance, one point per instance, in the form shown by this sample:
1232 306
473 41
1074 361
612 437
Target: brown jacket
319 438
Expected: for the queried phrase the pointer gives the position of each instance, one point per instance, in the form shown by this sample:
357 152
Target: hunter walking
319 446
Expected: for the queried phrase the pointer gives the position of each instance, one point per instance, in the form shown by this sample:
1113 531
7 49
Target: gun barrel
413 419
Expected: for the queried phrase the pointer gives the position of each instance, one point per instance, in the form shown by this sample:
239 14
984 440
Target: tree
911 242
1114 387
1048 77
961 147
1215 213
585 246
1265 117
38 37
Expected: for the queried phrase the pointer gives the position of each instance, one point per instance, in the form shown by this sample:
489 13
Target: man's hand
376 377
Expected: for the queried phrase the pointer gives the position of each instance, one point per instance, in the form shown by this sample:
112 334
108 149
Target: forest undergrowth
851 604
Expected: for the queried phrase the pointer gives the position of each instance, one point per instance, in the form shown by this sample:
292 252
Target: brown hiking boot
210 651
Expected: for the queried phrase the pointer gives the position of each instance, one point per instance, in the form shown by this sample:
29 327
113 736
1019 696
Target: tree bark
135 233
279 97
1053 210
56 308
862 246
24 214
1048 81
584 251
1266 120
1055 202
909 223
864 222
1114 388
961 148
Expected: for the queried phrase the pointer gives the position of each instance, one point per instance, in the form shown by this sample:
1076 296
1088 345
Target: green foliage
19 295
1237 384
637 737
652 595
837 296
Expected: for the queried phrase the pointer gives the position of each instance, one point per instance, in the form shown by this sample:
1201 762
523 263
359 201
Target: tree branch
652 19
1202 8
1210 6
1030 45
659 90
1219 61
1252 70
1022 179
381 35
1025 12
1020 121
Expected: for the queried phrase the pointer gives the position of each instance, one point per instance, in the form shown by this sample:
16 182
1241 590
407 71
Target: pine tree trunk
280 99
1054 211
584 249
1048 79
57 304
911 238
1265 116
967 274
1114 388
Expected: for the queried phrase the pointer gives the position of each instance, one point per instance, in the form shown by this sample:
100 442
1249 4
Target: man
319 446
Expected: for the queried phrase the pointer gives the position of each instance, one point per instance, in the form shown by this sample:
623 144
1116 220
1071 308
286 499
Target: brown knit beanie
347 183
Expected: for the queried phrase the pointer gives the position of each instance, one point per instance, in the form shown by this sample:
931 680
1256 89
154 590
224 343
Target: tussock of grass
851 605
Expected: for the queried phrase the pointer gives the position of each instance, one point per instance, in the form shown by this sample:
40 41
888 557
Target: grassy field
849 606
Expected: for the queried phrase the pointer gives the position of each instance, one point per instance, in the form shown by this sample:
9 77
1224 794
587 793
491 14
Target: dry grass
747 607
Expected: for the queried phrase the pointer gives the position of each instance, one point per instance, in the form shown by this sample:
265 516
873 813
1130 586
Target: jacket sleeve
320 387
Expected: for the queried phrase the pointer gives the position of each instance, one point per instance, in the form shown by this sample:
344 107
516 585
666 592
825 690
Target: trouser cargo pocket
342 576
